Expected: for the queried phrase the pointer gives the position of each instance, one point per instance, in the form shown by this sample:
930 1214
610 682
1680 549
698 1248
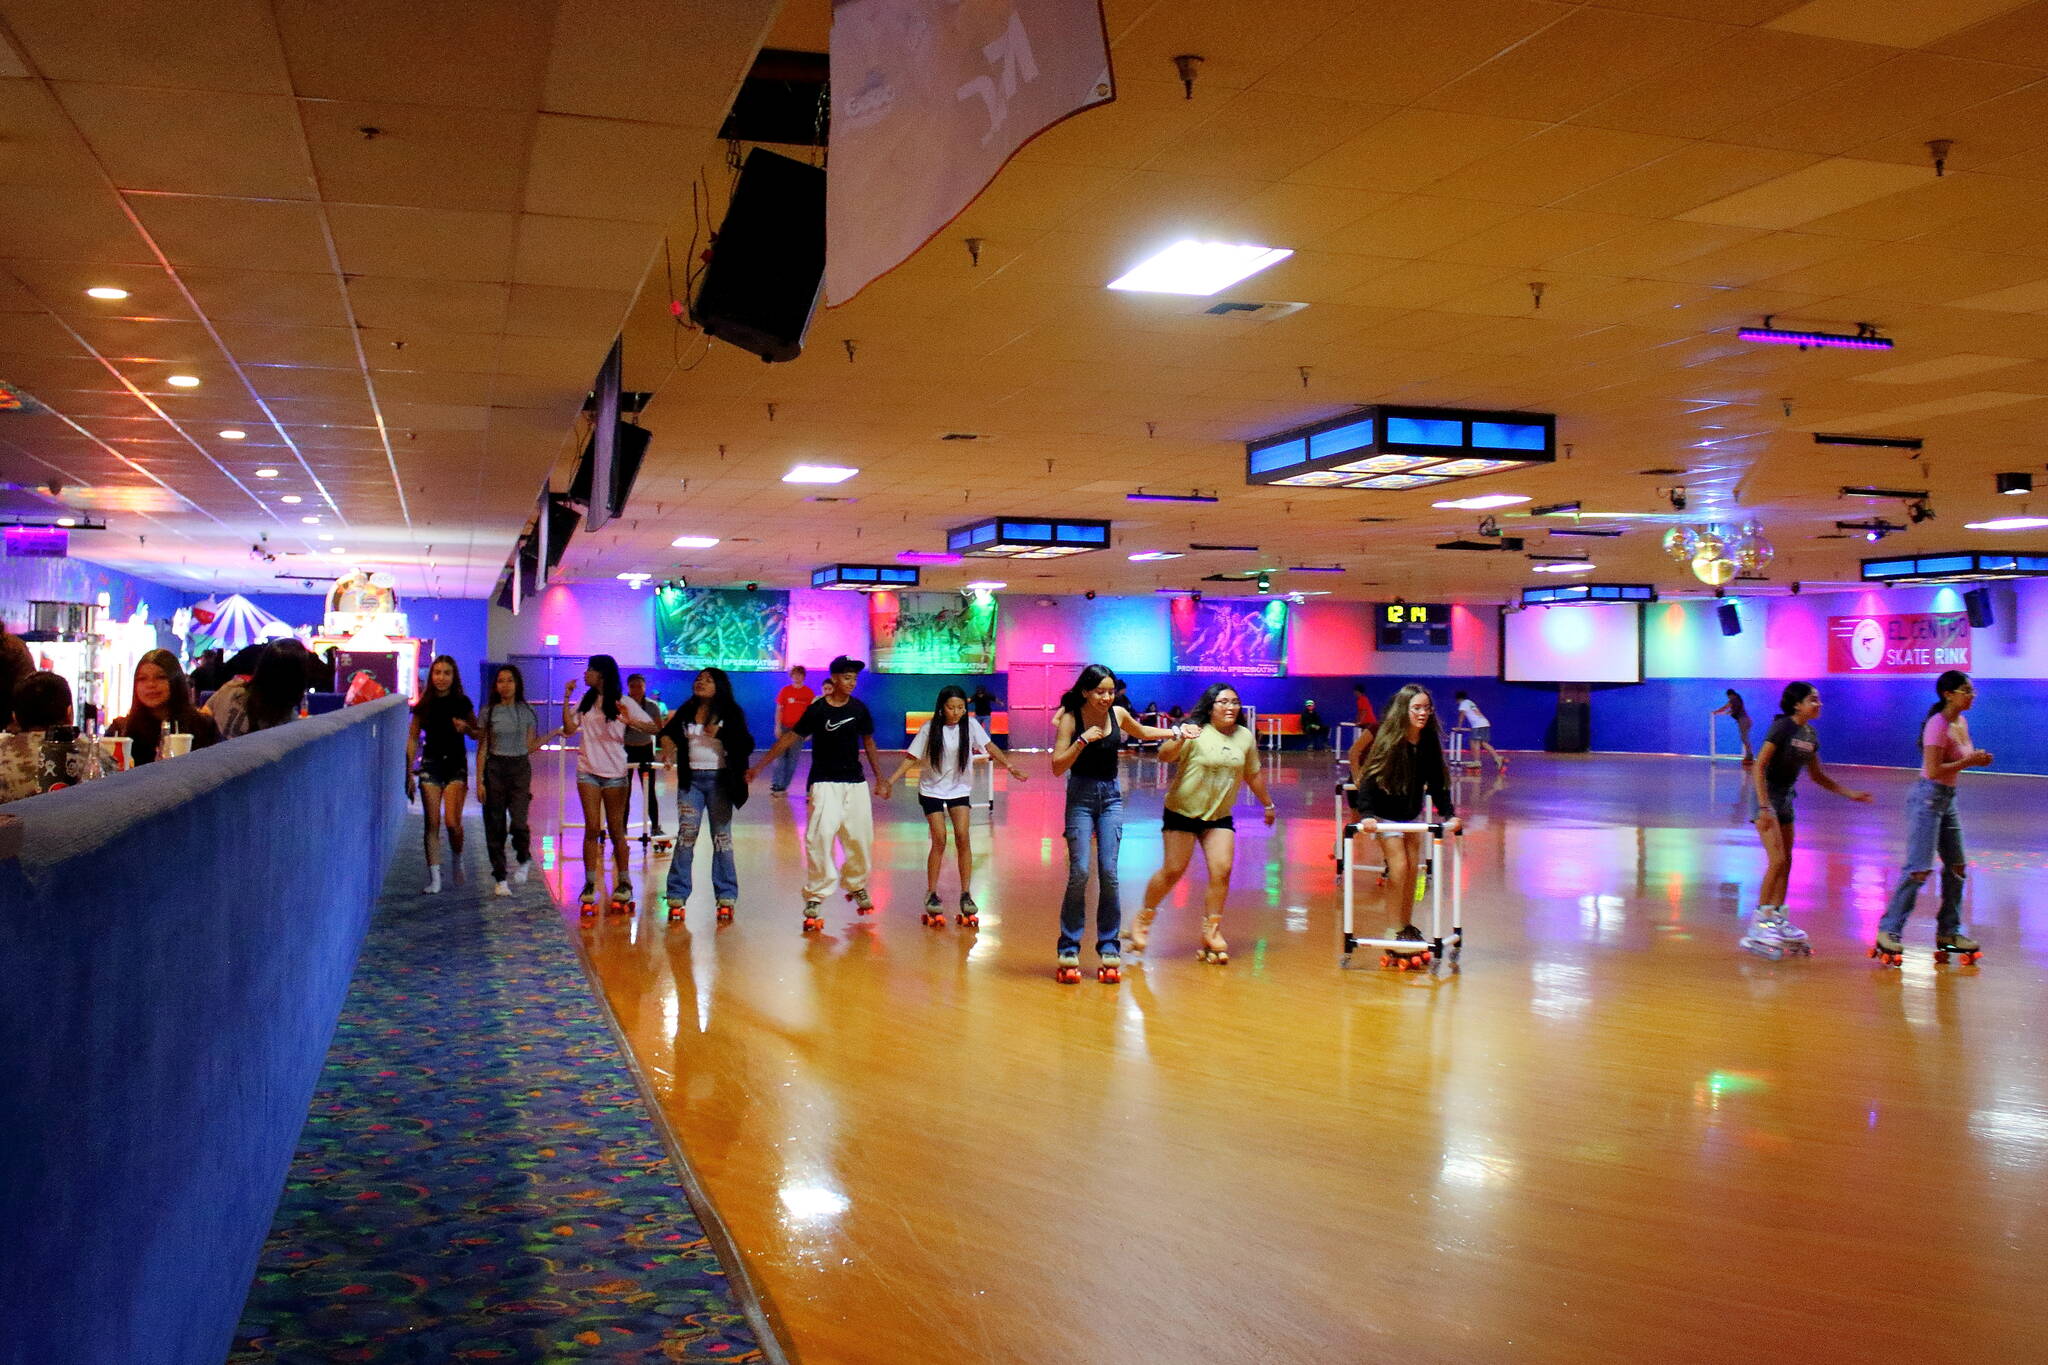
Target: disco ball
1715 572
1754 554
1678 543
1709 543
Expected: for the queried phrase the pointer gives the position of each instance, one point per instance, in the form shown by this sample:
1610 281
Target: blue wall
176 944
457 625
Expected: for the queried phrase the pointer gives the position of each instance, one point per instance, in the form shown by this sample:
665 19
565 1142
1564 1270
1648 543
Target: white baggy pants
842 811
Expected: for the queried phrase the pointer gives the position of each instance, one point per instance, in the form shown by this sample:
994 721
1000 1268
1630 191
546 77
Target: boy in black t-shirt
838 727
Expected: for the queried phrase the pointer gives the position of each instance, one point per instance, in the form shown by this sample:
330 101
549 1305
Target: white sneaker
501 890
434 880
522 872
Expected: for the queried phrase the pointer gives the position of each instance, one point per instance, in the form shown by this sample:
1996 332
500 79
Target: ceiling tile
572 314
254 344
430 352
264 295
481 56
193 141
68 223
1412 148
583 253
1897 23
423 244
1803 195
1604 53
1743 76
1903 95
602 168
219 45
1400 53
590 72
41 147
425 156
1554 164
231 233
1266 134
405 306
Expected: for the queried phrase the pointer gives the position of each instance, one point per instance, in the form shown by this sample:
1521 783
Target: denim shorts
605 784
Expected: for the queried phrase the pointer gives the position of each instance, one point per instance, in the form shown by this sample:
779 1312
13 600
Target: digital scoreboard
1413 626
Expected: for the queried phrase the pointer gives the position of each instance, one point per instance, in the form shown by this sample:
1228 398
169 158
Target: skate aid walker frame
1443 864
1341 820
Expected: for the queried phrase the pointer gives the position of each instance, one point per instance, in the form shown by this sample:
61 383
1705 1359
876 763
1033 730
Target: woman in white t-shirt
946 746
603 780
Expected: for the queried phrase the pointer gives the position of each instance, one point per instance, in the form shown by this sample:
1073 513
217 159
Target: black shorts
1781 805
934 804
1188 824
443 771
639 758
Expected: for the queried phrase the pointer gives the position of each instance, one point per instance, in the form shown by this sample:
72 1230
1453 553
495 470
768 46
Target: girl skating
1212 765
1392 768
709 733
1739 713
945 746
1933 828
603 779
1790 748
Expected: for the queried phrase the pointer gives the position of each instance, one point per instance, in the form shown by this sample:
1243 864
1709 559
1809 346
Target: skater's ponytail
1794 693
1952 681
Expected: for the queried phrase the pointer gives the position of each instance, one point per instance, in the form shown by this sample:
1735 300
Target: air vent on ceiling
1245 310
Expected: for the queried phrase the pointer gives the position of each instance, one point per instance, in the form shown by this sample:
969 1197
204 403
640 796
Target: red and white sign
1921 642
929 99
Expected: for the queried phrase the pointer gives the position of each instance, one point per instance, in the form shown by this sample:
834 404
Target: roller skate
1067 971
586 900
1212 948
663 844
622 900
1407 959
675 908
813 921
862 903
1140 932
1111 969
725 912
1888 949
1966 949
970 913
934 916
1772 936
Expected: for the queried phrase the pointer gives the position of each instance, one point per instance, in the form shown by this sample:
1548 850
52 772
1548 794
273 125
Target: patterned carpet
478 1179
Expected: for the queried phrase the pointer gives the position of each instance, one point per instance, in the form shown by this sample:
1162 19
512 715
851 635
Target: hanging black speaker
1977 602
1731 619
768 260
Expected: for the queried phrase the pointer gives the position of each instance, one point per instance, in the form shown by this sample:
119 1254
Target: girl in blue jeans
1090 729
709 734
1945 751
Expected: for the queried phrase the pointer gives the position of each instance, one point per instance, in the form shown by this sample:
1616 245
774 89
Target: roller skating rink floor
1609 1135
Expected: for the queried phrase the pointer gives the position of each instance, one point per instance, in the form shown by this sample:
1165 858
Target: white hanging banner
929 99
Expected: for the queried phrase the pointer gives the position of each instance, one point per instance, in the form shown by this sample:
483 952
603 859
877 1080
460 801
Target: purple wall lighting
1864 338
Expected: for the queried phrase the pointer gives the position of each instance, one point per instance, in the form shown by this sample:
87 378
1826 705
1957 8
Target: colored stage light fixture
925 557
1955 566
1028 538
1864 338
865 577
1388 448
2015 484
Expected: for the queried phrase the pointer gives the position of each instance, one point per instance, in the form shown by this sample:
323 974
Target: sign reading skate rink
1918 642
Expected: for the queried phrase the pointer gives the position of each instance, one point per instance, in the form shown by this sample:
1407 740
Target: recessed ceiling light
325 536
106 291
694 542
337 550
233 434
1193 267
1148 556
988 585
310 520
266 473
183 381
67 521
293 498
1563 568
1483 500
819 473
2007 524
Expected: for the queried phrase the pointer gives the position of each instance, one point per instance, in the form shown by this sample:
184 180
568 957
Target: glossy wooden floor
1612 1136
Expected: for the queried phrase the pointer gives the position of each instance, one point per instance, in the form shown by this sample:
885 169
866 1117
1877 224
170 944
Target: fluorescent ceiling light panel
2007 524
1564 568
183 381
819 473
694 542
1888 21
106 291
1203 268
987 585
1149 556
1483 501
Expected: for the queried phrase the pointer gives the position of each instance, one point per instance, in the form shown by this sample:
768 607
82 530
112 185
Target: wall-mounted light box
1028 538
1589 592
1953 567
862 577
1389 448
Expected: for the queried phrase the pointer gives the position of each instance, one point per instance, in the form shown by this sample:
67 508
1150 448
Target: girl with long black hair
1790 747
508 733
162 704
710 732
1211 766
441 719
1392 768
276 687
1737 712
946 745
600 724
1090 728
1933 827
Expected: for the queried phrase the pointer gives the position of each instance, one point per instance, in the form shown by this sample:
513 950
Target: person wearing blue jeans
1933 829
1090 729
709 732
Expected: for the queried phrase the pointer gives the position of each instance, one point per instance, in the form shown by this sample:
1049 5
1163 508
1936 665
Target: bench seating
913 721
